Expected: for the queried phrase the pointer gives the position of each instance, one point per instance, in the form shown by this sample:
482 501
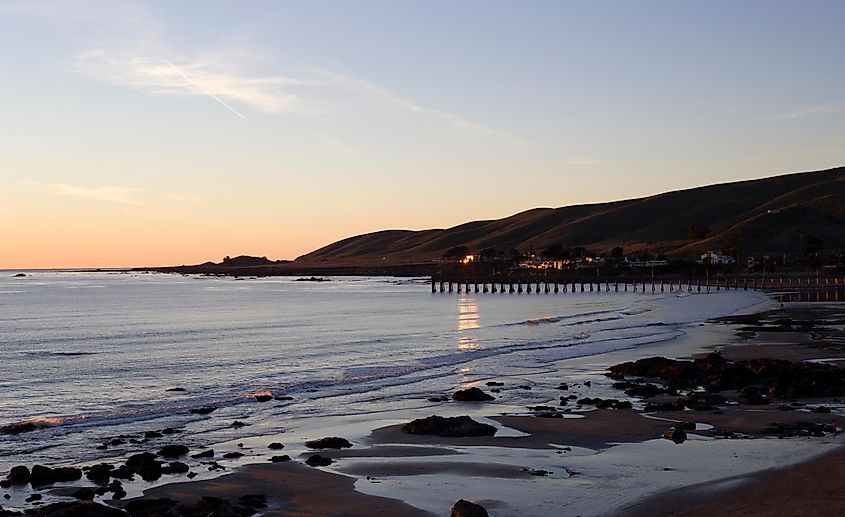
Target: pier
787 287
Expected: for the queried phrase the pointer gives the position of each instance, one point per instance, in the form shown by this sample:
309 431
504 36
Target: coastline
511 474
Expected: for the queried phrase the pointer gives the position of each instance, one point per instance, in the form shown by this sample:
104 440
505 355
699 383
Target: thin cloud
123 195
393 98
808 112
218 77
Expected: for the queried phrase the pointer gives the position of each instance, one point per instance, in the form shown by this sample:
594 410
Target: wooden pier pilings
787 287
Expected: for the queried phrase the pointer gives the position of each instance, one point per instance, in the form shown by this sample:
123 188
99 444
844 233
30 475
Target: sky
141 133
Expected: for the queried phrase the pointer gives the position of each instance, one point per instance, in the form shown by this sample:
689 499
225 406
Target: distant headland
791 221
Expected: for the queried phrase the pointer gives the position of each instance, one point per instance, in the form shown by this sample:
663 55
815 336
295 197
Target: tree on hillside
456 252
617 253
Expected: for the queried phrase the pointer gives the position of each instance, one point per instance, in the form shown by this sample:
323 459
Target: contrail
203 90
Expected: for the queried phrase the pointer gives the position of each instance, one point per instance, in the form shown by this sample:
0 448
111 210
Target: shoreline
388 467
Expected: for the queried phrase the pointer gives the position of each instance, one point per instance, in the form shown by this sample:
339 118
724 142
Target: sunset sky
151 133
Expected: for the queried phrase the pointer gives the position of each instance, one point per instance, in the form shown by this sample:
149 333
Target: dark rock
464 508
644 390
318 461
438 399
238 424
284 397
563 386
175 467
676 405
495 383
264 398
41 476
588 383
33 497
114 442
233 455
79 509
275 446
204 454
524 387
540 408
173 451
472 395
677 435
280 459
19 275
23 427
821 409
458 426
136 460
117 495
99 472
332 442
175 389
123 472
152 434
85 494
191 475
805 429
203 410
19 475
676 373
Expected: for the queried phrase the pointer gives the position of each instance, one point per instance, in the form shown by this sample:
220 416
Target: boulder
472 395
464 508
175 467
19 475
332 442
264 398
318 461
173 451
280 459
99 472
275 446
459 426
203 410
204 454
233 455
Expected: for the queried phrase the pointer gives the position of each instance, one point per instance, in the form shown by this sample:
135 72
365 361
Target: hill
774 215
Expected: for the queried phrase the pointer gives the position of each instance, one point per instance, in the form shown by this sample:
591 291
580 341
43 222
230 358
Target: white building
716 258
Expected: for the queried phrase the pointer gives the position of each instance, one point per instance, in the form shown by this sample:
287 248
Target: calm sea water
93 355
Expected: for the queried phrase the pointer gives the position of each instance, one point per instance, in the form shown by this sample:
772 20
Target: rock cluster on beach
755 378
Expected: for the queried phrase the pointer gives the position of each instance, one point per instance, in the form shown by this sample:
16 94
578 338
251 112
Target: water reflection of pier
786 288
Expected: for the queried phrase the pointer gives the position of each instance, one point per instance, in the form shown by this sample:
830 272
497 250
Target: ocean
89 356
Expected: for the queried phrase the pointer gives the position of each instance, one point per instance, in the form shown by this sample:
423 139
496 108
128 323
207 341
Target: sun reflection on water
467 321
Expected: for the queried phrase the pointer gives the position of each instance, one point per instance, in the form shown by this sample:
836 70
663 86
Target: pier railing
784 287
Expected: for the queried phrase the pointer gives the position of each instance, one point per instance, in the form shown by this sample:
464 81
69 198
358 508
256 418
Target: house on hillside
712 257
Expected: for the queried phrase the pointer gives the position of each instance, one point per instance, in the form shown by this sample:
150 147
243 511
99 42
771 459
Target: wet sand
292 490
810 489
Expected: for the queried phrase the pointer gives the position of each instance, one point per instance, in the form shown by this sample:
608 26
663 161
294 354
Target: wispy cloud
217 75
123 195
809 112
393 98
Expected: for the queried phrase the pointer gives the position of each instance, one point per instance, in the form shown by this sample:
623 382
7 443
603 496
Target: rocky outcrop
770 377
472 395
459 426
